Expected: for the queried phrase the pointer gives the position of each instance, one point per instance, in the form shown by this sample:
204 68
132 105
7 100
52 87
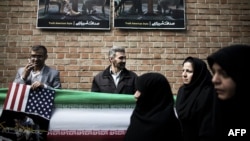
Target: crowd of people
211 105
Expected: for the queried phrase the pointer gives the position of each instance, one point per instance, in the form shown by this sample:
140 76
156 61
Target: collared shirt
116 77
37 76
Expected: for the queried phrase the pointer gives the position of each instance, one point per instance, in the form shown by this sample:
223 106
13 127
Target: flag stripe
8 96
11 93
21 94
25 98
17 97
13 101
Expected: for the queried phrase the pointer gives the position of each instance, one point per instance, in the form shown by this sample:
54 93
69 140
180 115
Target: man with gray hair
115 78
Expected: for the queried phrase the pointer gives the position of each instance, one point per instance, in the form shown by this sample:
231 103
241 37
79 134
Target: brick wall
81 54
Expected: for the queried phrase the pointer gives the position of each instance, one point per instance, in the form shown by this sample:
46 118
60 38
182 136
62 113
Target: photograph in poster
73 14
149 14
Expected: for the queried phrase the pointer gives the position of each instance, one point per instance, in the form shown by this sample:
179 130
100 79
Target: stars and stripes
22 98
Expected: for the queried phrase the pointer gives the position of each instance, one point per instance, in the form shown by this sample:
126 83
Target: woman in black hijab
195 101
153 118
231 81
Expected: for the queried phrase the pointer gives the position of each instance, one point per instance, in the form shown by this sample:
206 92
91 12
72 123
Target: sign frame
73 14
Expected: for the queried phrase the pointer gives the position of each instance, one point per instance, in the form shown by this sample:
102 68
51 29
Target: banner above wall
149 14
73 14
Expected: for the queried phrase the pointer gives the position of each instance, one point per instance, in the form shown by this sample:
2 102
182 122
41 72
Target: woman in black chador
195 101
231 81
153 118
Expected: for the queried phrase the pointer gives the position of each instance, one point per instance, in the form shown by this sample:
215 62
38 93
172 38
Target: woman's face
187 72
224 84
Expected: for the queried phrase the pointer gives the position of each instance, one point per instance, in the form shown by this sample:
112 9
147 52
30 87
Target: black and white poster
73 14
149 14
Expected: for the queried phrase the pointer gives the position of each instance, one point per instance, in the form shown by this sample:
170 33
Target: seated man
115 78
36 73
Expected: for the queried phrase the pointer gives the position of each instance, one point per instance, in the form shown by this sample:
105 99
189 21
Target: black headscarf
233 113
195 102
153 117
234 60
189 95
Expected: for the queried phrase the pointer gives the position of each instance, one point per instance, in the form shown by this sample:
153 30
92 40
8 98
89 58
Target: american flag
22 98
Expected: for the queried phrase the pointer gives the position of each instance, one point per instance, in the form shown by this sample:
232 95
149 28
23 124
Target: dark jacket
103 82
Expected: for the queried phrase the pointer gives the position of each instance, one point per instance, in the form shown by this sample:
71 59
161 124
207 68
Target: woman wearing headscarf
231 81
153 118
195 101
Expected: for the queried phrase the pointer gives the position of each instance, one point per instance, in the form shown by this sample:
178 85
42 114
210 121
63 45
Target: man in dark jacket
115 78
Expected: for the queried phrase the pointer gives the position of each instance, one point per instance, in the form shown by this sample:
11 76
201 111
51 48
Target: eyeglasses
36 56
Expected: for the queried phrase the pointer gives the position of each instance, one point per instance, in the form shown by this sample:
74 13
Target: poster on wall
149 14
73 14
